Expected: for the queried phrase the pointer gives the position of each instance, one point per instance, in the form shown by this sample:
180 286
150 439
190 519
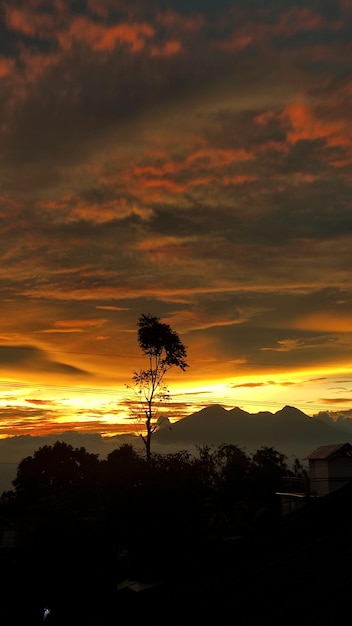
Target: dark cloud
28 356
191 159
340 400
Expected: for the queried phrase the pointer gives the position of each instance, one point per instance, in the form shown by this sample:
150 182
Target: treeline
152 509
85 524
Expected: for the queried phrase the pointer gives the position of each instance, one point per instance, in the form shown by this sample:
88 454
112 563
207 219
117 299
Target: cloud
333 401
23 357
192 160
260 384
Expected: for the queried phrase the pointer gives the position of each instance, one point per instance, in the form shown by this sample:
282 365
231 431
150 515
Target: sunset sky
188 159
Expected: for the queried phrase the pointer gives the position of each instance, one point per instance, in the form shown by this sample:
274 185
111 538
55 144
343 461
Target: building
330 468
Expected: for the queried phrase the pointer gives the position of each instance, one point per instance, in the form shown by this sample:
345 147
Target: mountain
289 430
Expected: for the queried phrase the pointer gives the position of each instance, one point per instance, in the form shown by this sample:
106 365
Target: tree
269 467
164 350
54 472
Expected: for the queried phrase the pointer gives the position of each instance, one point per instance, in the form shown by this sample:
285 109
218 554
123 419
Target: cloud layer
190 160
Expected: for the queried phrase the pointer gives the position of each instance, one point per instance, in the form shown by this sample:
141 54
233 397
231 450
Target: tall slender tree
164 350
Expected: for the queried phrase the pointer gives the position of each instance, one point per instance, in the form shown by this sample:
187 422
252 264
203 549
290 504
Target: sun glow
255 393
27 408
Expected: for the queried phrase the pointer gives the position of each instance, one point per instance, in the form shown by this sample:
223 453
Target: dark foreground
296 572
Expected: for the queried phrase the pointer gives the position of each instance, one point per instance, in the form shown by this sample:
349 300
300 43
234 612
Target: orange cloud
304 177
79 322
73 208
97 36
168 49
285 345
107 307
38 402
29 22
346 400
239 41
306 126
210 158
170 185
6 66
165 249
264 118
169 167
325 323
288 24
207 158
200 168
105 38
241 179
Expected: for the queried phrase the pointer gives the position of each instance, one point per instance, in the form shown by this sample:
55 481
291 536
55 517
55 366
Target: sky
187 159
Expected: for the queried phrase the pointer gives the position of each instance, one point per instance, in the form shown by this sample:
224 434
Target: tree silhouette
58 471
164 350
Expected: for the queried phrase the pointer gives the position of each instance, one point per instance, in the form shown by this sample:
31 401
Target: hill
289 430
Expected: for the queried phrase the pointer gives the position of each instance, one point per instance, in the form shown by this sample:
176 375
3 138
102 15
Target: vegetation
164 350
157 508
84 525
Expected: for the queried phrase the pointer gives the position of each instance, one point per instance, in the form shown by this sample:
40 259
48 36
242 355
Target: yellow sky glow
212 189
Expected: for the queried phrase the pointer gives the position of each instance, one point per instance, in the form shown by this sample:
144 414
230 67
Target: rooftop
324 452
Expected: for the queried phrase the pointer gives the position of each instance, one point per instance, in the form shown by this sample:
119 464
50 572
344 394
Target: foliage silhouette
56 471
164 350
161 512
199 524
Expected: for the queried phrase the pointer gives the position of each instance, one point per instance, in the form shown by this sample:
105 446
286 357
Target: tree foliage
56 471
161 510
164 350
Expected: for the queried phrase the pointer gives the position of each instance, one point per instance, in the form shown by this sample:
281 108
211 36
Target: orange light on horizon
26 408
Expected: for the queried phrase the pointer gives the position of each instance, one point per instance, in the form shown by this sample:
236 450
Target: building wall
340 467
318 468
324 474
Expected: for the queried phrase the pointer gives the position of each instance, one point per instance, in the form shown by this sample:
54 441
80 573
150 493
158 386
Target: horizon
193 163
214 431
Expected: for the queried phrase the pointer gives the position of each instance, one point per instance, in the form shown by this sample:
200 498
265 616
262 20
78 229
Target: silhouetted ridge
211 411
289 430
237 412
290 412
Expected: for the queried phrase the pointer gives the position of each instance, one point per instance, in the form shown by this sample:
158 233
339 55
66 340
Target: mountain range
289 431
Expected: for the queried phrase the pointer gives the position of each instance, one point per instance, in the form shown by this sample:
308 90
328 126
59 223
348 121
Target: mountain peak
289 430
212 409
292 412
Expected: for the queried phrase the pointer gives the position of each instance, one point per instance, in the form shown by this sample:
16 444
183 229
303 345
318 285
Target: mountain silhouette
289 430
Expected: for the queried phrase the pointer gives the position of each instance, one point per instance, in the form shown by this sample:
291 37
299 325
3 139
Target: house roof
325 452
